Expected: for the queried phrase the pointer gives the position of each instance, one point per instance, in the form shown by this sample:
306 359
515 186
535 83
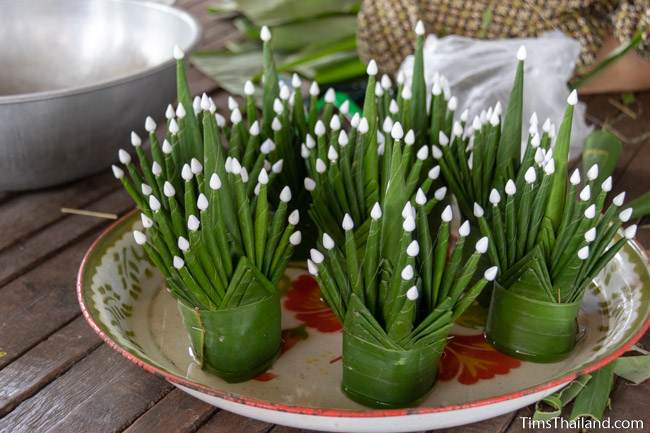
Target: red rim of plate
303 410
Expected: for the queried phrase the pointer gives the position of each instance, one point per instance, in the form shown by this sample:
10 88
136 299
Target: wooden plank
283 429
39 302
493 425
46 361
199 10
200 82
603 113
228 422
28 253
102 393
634 130
5 196
600 111
177 412
29 212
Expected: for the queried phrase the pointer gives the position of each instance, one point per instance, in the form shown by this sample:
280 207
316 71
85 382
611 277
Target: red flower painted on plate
304 299
266 377
471 358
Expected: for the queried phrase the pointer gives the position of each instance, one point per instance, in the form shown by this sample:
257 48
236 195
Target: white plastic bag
481 72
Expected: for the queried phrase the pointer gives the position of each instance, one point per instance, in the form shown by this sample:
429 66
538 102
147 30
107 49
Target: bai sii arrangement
215 198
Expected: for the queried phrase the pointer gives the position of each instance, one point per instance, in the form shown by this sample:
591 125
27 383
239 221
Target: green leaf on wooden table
305 34
322 31
308 69
640 206
551 406
247 28
223 7
593 400
340 71
316 51
316 39
602 148
635 369
628 98
230 71
275 12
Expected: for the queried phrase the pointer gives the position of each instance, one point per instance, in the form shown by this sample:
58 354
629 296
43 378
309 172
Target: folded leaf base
387 378
236 344
529 329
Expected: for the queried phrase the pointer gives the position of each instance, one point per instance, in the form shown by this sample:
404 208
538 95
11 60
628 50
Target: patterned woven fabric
385 31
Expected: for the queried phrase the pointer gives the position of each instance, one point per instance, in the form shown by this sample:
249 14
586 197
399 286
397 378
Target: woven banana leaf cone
555 235
389 278
397 305
241 339
214 222
549 233
380 375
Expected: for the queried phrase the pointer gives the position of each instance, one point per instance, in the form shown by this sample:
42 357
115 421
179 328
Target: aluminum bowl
76 77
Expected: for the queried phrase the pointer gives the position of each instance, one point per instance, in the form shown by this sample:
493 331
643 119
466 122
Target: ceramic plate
123 298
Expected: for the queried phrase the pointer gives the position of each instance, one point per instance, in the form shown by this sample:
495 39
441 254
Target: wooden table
57 376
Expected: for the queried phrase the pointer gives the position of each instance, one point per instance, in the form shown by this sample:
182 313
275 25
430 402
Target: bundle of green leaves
548 232
204 198
398 277
350 169
405 294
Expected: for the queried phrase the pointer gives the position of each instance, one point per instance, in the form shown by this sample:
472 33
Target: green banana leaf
529 277
340 71
380 377
316 51
298 35
230 71
529 329
510 145
635 369
310 68
595 397
379 373
551 406
276 12
322 31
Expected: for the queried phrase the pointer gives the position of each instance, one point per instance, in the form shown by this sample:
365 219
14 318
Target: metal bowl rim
104 84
